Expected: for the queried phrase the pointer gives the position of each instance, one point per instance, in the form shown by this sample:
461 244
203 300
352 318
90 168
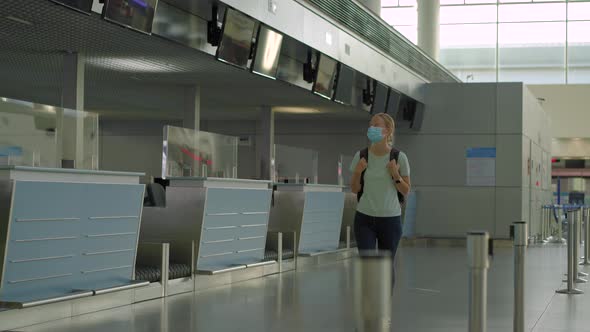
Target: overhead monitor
236 38
135 14
407 115
324 81
379 98
393 102
268 51
84 6
344 85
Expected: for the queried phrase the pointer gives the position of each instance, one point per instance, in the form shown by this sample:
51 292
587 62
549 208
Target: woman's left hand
393 168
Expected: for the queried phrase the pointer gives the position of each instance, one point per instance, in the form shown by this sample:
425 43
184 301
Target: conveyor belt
273 255
153 273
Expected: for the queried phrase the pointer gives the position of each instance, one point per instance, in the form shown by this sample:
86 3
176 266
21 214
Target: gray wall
458 117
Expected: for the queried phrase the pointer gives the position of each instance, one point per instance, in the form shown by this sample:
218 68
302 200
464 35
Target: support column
265 133
429 27
192 108
373 5
70 128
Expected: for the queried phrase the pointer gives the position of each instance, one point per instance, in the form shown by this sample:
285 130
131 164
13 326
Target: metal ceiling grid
127 71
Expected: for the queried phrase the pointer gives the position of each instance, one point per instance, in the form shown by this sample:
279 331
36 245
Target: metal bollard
477 252
373 290
578 231
520 244
586 237
571 263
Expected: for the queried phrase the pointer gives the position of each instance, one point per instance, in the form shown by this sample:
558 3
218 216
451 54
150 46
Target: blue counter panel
234 228
322 220
70 236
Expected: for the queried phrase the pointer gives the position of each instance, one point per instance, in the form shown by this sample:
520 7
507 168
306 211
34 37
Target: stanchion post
373 290
578 230
586 237
477 252
520 244
571 263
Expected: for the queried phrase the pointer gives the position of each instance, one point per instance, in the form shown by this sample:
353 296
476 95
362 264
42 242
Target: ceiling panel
130 74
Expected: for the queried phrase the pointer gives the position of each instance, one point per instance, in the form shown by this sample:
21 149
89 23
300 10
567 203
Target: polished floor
430 295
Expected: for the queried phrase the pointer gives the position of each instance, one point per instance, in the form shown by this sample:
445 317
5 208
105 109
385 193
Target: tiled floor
431 295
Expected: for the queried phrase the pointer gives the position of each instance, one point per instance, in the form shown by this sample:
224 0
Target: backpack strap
364 153
394 155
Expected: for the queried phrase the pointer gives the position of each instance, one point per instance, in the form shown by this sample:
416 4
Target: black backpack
393 155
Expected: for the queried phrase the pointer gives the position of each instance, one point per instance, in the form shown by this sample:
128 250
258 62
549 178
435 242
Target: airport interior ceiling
130 75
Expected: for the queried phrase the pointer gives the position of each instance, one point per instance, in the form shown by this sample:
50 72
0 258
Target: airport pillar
70 124
192 108
429 27
265 133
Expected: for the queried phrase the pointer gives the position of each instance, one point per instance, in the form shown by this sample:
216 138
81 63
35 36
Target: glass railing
46 136
295 165
191 153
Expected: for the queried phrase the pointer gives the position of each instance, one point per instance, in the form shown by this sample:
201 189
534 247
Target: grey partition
313 212
67 232
227 219
296 165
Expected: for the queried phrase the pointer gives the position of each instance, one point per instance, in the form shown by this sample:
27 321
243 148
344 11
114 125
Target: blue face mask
375 134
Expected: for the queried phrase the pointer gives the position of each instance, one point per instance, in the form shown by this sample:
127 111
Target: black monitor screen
379 98
324 82
82 5
136 14
236 41
344 85
575 163
393 103
268 51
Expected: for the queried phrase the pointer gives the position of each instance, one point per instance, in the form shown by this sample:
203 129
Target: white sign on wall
481 167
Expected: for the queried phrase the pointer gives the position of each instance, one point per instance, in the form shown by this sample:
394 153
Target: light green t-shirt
379 197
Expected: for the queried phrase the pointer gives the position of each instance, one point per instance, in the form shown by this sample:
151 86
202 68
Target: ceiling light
133 65
4 99
19 20
295 110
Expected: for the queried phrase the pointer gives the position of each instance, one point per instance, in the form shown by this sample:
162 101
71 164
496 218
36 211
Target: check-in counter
347 239
226 219
313 213
66 234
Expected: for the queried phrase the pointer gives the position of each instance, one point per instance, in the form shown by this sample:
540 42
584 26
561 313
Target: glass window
451 2
480 1
532 12
533 53
389 3
468 35
531 33
400 16
579 11
408 31
468 14
579 52
469 51
404 3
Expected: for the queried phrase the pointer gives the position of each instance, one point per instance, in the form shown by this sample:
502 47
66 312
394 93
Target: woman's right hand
361 166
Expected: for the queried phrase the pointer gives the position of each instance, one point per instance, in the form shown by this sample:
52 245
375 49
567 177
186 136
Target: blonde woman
381 179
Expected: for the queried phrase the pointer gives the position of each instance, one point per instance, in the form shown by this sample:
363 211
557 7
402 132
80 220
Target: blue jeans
381 232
